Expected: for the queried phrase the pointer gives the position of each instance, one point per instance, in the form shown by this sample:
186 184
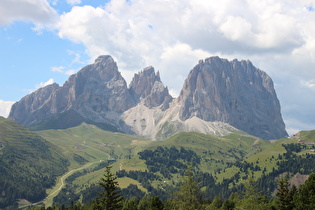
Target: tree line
190 196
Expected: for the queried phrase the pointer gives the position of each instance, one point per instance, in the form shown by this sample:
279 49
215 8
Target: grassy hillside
223 164
306 136
215 152
69 119
88 143
28 164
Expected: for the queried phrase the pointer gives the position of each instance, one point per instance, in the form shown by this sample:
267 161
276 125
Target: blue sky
44 41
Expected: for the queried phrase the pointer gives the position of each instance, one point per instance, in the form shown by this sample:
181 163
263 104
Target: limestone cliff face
99 89
35 107
218 97
97 92
146 86
233 92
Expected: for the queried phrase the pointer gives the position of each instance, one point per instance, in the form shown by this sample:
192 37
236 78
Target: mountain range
218 97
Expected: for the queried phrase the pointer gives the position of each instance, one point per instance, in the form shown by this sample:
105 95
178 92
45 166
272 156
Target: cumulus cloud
57 68
309 84
5 107
278 36
38 12
74 2
69 70
136 33
43 84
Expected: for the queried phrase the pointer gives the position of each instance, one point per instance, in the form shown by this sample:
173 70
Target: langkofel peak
218 97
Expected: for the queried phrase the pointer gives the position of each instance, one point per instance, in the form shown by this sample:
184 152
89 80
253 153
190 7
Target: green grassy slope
28 164
89 144
215 152
306 136
230 159
69 119
93 144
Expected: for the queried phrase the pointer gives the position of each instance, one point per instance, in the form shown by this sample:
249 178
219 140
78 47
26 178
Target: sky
45 41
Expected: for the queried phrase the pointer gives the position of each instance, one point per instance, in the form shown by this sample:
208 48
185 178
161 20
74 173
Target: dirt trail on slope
62 182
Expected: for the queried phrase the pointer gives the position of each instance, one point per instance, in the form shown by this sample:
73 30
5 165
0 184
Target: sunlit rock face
218 96
147 86
234 92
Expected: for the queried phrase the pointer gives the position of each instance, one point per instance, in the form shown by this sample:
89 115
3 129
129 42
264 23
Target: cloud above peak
140 33
38 12
278 36
5 107
148 27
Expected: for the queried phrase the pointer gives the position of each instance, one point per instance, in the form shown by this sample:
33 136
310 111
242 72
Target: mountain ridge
232 94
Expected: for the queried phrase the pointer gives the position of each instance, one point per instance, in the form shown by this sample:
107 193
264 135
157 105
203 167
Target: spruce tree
252 198
110 197
285 195
189 196
305 197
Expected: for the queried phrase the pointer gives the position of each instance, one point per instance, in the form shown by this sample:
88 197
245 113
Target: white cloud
61 69
43 84
5 107
174 93
297 125
38 12
53 2
237 28
70 72
309 83
64 70
57 68
136 32
74 2
278 36
77 58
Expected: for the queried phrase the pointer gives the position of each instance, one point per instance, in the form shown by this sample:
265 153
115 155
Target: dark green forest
204 172
28 164
166 163
189 195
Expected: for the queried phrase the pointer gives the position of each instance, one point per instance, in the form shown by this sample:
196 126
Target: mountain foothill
225 126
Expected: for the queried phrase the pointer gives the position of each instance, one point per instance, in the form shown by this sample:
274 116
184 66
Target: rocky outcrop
35 107
97 92
146 86
218 97
233 92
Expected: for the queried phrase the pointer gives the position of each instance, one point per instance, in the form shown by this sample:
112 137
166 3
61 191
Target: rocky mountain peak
218 96
95 92
233 92
147 86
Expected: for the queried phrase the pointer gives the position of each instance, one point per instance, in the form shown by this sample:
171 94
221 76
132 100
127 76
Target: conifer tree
111 198
252 198
189 195
285 195
305 197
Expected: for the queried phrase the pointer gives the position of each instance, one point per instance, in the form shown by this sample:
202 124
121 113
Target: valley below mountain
222 164
225 125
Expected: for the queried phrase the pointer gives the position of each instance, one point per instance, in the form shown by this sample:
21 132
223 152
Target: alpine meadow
157 105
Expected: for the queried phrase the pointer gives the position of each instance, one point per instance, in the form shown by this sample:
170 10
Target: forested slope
28 164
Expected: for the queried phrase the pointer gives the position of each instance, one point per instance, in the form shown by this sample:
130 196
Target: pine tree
285 195
252 199
189 195
111 198
305 197
150 203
